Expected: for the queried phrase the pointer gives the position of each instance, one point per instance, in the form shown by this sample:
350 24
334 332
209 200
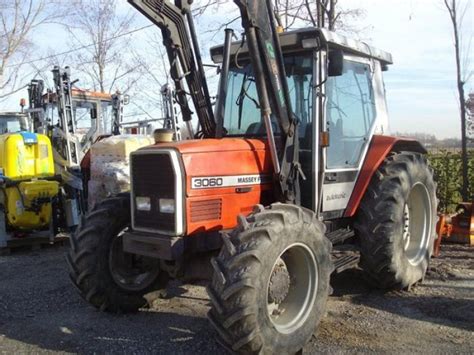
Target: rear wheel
106 277
271 281
396 221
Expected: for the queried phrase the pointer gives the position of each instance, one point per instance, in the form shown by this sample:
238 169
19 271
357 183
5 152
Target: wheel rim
289 305
130 271
406 227
417 224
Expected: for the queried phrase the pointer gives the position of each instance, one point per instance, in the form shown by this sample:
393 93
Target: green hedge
448 175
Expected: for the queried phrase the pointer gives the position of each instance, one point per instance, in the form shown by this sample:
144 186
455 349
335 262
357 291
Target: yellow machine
28 185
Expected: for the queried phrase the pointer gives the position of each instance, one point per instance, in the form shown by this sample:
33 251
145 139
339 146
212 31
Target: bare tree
334 15
456 14
155 75
104 35
205 5
18 21
329 14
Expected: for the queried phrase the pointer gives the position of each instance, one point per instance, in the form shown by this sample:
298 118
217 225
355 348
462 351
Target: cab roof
314 37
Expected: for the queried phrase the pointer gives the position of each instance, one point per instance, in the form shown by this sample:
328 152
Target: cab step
339 235
345 261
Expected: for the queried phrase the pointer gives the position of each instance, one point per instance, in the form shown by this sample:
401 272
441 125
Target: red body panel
248 160
221 157
378 150
216 208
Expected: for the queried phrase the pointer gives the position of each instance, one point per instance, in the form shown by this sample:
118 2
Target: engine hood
222 178
212 145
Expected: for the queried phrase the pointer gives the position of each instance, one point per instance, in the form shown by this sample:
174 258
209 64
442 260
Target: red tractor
291 178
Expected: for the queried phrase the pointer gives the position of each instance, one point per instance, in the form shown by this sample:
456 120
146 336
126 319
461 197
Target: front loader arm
36 106
266 59
267 62
69 148
179 38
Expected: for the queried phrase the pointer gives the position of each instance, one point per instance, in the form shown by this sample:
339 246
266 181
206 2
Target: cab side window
350 114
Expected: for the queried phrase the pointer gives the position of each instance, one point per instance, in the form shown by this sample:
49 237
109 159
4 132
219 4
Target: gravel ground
40 312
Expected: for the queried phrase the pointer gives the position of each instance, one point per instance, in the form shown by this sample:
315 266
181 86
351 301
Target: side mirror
335 62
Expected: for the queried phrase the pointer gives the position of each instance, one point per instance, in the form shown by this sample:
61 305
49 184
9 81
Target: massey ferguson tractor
290 179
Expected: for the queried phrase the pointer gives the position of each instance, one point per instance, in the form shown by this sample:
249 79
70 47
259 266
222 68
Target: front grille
206 210
153 176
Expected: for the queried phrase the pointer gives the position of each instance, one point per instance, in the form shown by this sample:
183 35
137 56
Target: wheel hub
279 283
292 287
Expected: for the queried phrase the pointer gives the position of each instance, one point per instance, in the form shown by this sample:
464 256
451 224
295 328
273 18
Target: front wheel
104 274
271 281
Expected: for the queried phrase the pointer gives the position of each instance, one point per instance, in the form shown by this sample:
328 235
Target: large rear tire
396 221
105 276
271 281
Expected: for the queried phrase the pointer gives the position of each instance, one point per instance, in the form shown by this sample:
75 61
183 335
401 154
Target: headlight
143 203
166 205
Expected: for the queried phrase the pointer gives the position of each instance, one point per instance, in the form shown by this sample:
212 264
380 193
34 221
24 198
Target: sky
420 85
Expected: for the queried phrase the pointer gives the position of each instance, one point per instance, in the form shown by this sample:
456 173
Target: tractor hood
223 178
212 145
226 158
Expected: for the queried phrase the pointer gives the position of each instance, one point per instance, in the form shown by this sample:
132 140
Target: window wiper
242 95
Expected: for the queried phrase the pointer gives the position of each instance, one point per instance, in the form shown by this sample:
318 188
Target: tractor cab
73 118
12 122
337 96
92 113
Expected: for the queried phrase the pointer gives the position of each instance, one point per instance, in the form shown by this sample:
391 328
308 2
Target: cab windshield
11 124
242 111
86 115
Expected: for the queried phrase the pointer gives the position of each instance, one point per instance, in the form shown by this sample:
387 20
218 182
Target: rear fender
379 148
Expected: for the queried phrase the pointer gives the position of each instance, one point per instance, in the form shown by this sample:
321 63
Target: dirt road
40 312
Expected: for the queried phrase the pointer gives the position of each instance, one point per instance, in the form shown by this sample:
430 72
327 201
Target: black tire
396 232
95 258
239 289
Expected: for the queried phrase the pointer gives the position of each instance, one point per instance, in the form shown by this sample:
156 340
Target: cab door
301 75
350 112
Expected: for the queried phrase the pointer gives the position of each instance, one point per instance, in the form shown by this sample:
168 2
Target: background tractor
89 140
290 179
68 141
74 120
